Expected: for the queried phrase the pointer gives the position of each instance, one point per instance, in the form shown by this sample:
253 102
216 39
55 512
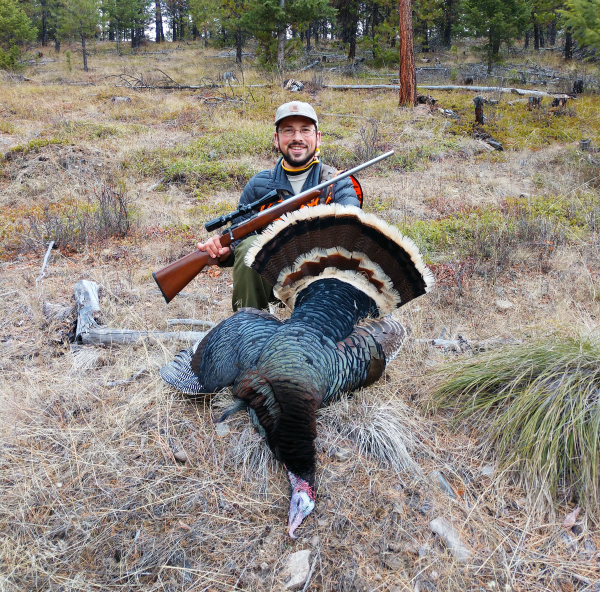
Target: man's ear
318 138
276 141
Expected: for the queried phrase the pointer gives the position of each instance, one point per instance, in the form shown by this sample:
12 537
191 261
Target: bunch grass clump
382 429
538 404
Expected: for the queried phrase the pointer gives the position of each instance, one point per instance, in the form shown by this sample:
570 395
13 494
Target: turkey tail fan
342 242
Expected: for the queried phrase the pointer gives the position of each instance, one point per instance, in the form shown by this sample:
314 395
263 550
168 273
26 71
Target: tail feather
389 333
340 241
178 373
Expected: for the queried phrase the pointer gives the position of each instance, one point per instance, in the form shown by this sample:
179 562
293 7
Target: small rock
322 522
341 454
571 518
393 562
296 569
188 575
487 470
451 538
120 100
503 304
314 541
264 568
222 429
360 585
180 455
438 478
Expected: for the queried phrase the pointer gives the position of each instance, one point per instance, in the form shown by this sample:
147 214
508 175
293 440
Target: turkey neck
333 307
297 366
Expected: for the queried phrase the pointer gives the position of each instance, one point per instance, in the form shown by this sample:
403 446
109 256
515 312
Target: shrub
106 214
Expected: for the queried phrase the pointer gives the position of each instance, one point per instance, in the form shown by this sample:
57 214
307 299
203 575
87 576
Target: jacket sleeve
344 193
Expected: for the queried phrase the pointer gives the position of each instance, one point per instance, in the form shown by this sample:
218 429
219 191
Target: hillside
129 486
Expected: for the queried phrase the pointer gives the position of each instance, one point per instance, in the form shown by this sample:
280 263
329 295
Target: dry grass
91 495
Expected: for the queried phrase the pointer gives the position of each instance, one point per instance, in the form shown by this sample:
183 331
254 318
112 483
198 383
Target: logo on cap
294 108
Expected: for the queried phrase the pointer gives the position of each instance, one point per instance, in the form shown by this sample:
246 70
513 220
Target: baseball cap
296 108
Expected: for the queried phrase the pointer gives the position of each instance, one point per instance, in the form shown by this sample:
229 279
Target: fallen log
315 63
518 91
127 336
191 323
362 86
89 332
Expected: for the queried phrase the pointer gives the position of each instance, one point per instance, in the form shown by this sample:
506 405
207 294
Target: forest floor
130 487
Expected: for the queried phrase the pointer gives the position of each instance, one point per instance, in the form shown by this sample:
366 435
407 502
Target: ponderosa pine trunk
160 35
568 45
552 33
44 24
85 66
281 41
408 76
238 45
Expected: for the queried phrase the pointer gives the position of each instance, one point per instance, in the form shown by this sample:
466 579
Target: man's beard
292 160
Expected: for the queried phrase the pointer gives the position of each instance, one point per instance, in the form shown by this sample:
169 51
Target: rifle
175 277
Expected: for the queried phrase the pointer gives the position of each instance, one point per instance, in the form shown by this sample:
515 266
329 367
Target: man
297 138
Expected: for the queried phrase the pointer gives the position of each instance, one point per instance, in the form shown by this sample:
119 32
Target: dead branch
45 262
89 332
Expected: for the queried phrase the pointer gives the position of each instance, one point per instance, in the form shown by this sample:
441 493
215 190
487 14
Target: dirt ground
129 486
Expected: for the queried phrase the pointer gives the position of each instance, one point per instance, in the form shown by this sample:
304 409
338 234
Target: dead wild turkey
339 270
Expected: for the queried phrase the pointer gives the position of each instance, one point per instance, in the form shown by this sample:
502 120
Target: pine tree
499 21
582 18
80 19
15 28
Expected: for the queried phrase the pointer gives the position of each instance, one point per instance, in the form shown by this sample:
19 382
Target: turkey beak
300 507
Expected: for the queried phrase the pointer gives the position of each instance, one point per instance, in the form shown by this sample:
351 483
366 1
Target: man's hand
214 248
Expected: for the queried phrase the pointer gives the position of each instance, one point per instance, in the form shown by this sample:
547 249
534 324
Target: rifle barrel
347 173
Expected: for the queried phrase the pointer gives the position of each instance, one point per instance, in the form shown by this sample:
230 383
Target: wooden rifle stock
175 277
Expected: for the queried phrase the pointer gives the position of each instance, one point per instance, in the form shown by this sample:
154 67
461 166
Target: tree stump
578 87
479 101
534 103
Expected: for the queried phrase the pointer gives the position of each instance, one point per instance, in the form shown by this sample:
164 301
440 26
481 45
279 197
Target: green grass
518 128
539 405
490 233
33 146
211 161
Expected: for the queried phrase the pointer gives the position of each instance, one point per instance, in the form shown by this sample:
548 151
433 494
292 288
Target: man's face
297 139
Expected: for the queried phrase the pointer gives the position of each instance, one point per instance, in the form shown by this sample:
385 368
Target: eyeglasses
290 132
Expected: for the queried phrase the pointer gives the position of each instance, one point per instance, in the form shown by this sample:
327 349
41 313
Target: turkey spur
339 270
